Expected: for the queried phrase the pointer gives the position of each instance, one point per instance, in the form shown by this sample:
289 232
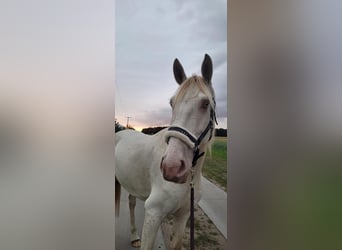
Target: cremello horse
158 168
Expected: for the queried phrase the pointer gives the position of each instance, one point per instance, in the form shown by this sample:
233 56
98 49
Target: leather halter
195 142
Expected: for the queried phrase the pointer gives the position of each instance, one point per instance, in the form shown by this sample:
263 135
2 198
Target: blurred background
56 124
284 123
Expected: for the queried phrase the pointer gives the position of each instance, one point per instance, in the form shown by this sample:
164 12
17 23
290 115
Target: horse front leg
152 221
135 239
179 223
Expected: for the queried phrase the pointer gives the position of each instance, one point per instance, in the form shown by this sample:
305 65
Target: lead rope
192 217
197 155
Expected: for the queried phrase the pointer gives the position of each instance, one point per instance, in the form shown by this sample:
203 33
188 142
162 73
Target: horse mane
194 85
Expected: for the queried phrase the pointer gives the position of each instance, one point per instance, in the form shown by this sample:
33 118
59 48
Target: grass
215 167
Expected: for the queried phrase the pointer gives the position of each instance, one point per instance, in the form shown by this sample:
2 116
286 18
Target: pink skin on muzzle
176 163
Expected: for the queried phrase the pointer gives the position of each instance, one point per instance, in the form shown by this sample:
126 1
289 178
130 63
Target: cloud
157 117
149 36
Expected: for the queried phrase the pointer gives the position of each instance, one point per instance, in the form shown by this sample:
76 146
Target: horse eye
205 104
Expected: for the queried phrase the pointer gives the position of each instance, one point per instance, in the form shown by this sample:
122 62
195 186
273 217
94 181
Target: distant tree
118 126
151 130
221 132
130 127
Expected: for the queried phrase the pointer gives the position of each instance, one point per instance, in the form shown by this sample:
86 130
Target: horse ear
207 68
178 72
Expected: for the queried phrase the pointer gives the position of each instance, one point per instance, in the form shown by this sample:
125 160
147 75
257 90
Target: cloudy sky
149 35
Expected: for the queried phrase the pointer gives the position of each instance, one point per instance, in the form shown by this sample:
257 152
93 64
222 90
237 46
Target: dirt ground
207 236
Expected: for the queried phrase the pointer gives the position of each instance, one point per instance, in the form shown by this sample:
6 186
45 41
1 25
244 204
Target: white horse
158 168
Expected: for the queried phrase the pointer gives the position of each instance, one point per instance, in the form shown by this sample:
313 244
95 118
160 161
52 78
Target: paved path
213 203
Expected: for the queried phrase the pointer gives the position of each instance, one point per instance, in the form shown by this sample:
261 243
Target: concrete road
214 205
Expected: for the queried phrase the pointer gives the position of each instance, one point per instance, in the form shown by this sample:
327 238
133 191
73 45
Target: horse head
192 123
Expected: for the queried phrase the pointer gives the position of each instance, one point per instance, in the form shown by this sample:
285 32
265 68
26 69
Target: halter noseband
190 139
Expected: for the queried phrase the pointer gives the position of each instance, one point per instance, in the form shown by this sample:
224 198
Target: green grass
215 167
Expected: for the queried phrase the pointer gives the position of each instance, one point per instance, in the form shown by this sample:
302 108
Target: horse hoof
136 243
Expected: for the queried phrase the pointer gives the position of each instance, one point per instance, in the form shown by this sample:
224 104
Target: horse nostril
161 162
182 166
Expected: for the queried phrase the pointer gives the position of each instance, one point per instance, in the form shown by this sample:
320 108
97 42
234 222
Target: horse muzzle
174 171
176 163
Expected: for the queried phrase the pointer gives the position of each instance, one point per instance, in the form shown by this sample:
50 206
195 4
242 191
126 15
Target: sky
149 35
